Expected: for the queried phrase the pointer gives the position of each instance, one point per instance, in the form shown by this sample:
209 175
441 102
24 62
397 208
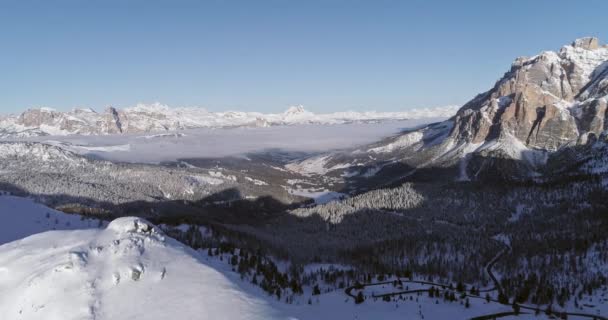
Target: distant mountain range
161 118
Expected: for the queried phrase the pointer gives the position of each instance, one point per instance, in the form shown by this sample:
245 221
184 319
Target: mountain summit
130 270
540 107
545 101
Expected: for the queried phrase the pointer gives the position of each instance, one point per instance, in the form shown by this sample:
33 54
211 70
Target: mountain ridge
161 118
542 105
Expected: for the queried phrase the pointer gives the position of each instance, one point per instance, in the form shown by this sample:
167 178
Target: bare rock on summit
588 43
111 123
37 117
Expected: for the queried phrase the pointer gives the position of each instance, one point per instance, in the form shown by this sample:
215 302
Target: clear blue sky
266 55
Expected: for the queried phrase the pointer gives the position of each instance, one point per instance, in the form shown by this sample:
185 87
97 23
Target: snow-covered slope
129 270
159 118
22 217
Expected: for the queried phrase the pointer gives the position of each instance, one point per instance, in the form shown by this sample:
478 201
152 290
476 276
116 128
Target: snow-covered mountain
542 103
159 118
129 270
545 102
541 106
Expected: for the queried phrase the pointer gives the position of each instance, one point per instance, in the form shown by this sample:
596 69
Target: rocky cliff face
49 121
546 101
541 106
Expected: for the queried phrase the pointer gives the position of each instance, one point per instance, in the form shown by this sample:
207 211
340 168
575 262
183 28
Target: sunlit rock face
545 101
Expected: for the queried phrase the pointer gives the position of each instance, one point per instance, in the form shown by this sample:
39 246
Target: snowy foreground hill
129 270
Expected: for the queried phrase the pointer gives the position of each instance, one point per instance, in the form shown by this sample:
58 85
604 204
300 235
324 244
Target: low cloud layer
207 143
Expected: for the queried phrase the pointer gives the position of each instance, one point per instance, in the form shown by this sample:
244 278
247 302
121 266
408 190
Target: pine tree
502 298
316 291
359 298
515 307
460 287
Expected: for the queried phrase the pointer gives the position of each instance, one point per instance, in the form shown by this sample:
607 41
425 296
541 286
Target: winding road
497 286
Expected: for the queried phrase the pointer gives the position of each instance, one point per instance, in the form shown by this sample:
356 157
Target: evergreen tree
316 291
460 287
502 298
515 307
359 298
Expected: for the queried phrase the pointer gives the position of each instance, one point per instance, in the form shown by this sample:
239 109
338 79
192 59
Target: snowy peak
297 114
135 226
541 100
299 109
587 43
120 272
156 107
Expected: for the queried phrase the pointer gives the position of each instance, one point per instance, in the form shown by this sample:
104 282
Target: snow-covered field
320 197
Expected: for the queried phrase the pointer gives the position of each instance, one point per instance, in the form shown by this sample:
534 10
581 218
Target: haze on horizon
266 55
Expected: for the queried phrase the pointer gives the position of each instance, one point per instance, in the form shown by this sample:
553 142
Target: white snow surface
403 141
22 217
129 270
320 197
515 149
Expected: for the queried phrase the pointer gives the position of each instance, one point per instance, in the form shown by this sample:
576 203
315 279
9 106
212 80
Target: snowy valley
496 209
